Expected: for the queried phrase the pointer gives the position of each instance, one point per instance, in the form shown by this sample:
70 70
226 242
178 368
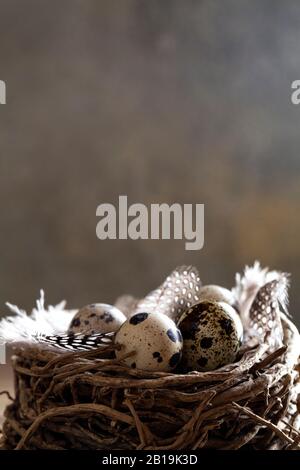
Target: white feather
24 328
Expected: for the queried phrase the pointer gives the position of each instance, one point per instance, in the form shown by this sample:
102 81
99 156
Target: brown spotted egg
212 335
216 293
97 318
154 338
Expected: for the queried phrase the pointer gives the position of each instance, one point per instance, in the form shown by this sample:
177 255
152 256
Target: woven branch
89 400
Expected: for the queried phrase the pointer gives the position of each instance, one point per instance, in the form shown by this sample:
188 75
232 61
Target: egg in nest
97 318
212 335
154 338
215 293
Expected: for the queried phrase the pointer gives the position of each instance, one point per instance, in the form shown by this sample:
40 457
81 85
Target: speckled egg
211 336
97 318
235 317
215 293
154 337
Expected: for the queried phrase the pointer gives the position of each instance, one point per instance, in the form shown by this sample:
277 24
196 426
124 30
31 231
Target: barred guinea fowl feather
247 286
264 313
177 293
77 342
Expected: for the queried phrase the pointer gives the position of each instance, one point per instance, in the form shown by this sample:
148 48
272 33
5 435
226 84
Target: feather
177 293
47 327
77 342
264 315
28 329
247 286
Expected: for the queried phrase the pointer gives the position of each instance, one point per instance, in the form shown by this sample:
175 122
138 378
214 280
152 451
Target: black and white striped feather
77 342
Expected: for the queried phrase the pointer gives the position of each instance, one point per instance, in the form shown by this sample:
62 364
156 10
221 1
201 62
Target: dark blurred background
164 101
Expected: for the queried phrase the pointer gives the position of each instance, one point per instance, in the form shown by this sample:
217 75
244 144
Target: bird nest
91 400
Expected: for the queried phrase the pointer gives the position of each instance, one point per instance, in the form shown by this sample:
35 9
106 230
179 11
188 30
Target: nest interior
89 400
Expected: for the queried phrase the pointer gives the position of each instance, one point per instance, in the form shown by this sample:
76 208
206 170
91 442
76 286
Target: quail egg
154 337
97 318
216 293
212 335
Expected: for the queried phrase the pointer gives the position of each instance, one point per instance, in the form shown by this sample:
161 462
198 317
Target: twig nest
88 400
215 293
97 318
155 340
212 334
